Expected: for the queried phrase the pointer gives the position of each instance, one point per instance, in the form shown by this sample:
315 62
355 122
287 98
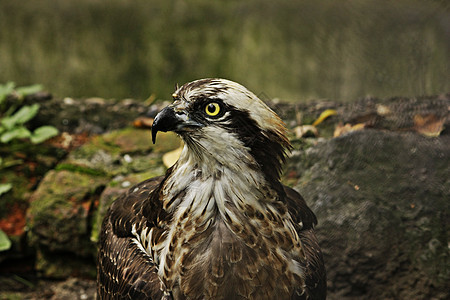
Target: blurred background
293 50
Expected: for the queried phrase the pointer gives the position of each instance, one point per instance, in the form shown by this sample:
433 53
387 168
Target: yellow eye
212 109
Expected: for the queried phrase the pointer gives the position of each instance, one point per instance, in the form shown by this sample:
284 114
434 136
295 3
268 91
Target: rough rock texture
92 115
382 201
59 220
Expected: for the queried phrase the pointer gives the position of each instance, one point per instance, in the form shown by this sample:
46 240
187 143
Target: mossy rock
16 195
22 164
129 140
120 152
58 217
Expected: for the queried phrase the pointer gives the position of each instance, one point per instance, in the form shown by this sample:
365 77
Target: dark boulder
382 201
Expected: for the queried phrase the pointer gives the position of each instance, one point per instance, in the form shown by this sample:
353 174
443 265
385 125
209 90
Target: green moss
17 195
60 208
22 165
11 296
79 169
129 140
106 154
92 147
166 141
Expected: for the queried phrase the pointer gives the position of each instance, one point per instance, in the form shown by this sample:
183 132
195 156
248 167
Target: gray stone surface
382 200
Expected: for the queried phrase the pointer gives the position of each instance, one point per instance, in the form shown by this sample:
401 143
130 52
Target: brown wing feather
124 271
315 269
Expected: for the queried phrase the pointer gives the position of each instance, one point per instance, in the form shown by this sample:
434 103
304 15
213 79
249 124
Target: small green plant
5 187
5 242
13 119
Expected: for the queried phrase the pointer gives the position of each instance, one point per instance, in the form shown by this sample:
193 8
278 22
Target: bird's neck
210 186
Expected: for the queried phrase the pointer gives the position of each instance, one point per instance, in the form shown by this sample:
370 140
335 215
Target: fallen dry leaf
383 110
143 122
325 114
69 141
428 125
300 131
342 129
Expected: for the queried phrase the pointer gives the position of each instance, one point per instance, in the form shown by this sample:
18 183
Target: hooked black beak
170 120
165 120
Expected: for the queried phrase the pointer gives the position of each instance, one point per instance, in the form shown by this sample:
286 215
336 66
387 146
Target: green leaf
5 90
5 187
43 133
23 115
27 90
10 163
5 242
15 133
26 113
8 123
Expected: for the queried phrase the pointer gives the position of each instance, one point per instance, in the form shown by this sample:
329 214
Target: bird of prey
219 224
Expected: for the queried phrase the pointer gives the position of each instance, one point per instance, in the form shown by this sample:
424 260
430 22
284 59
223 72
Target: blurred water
294 50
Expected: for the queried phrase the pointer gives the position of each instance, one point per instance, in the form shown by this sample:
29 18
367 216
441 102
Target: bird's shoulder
298 209
139 206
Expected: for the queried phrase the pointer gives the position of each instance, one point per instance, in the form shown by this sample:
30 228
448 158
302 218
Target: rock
59 208
59 222
91 115
428 115
382 201
74 288
120 152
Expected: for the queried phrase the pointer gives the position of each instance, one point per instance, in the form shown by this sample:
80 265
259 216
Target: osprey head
224 119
